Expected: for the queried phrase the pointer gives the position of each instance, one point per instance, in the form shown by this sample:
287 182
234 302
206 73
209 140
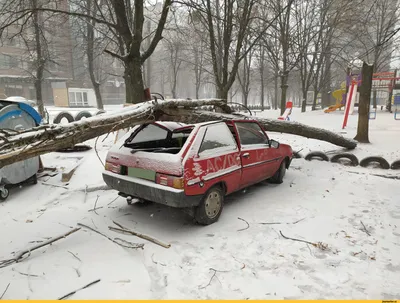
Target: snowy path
256 263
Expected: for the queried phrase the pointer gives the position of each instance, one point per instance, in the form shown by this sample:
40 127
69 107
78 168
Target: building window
6 61
78 99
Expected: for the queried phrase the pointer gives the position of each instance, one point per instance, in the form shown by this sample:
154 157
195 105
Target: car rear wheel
278 177
210 207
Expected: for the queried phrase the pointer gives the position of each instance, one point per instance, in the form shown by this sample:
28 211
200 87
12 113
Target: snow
318 202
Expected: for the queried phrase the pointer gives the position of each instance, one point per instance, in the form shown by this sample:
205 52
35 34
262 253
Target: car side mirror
273 143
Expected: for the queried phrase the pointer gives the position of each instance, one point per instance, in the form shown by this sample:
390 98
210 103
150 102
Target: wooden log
37 141
270 125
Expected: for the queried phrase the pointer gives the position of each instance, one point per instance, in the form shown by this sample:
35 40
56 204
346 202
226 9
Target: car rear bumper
144 189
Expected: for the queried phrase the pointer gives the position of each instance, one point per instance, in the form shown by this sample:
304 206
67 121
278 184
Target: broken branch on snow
319 245
4 292
19 256
43 139
248 225
365 229
75 291
128 245
125 230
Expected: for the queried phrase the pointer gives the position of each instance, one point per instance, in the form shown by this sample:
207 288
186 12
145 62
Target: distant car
194 166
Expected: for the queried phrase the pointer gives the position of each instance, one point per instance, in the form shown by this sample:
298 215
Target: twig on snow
276 223
319 245
113 200
131 232
365 229
75 291
54 185
162 264
132 245
25 274
95 203
84 198
97 153
248 225
4 292
77 272
75 256
212 277
18 257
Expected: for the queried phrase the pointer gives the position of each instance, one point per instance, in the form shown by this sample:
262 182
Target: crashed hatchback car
194 166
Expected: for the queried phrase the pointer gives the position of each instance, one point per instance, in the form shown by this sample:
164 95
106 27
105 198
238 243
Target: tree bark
364 104
134 86
284 87
90 55
276 89
40 60
270 125
18 146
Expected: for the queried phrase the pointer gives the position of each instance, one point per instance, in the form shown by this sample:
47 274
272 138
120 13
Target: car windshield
155 138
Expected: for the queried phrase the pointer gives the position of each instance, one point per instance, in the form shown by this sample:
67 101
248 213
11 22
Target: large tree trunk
91 57
18 146
276 90
133 76
40 60
364 104
270 125
284 87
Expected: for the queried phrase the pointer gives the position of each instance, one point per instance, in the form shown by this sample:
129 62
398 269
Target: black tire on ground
353 159
100 112
4 193
82 114
74 149
63 115
33 179
316 154
279 175
368 160
210 208
395 165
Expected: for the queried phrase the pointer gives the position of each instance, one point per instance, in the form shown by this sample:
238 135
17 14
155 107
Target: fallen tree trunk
17 146
279 126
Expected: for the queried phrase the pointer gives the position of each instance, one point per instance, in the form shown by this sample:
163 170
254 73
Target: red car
194 166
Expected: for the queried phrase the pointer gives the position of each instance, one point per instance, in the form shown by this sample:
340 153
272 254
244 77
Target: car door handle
246 155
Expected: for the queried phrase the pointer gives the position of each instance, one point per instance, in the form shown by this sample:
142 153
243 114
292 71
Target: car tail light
115 168
171 181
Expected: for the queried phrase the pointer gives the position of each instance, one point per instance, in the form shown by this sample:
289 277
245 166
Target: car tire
382 162
60 116
210 208
277 178
395 165
100 112
353 159
316 154
4 193
82 114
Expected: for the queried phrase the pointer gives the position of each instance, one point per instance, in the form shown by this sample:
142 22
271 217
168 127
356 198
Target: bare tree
228 25
91 54
364 105
244 75
125 20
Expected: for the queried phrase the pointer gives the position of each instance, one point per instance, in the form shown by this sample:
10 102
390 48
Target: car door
257 160
216 160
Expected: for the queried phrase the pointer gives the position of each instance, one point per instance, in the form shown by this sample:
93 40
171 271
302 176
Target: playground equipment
287 112
340 97
396 104
349 106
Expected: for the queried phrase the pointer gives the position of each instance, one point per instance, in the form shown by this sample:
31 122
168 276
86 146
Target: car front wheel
210 207
278 177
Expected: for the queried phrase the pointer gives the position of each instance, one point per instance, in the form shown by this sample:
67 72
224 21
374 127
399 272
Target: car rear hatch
153 152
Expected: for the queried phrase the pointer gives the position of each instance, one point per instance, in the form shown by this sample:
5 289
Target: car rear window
154 138
150 133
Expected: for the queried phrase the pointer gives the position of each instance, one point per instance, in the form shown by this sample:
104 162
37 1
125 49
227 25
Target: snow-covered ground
318 202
